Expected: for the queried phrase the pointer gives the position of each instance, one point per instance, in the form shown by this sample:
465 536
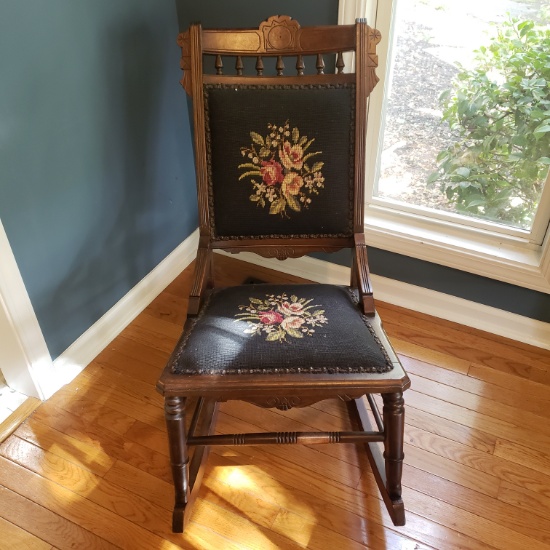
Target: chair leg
174 410
386 466
394 425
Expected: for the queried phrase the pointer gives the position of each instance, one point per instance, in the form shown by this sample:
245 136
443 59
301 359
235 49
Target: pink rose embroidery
280 316
292 322
288 183
292 156
272 172
270 317
287 308
292 184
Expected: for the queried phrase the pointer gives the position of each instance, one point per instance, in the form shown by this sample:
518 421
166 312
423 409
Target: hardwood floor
89 469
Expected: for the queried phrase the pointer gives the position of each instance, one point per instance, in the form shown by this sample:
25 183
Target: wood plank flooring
89 468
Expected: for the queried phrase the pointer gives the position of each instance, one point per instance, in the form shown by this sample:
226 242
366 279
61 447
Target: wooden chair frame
280 37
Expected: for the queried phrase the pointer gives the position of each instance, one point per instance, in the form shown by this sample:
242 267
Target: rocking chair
280 164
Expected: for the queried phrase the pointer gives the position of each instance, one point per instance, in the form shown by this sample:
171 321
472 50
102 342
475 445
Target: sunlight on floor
236 478
78 453
270 496
275 492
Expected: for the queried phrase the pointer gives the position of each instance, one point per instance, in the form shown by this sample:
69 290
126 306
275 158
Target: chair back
280 154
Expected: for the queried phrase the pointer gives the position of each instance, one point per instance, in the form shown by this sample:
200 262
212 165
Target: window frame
479 247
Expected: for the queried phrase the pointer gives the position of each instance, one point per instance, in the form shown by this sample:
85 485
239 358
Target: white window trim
506 258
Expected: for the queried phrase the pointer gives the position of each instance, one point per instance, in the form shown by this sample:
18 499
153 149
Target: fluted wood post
394 425
174 411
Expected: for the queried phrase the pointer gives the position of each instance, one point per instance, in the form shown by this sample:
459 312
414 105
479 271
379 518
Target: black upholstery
271 329
246 137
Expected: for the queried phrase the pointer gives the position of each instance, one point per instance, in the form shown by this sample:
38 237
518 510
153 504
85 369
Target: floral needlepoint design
279 317
281 170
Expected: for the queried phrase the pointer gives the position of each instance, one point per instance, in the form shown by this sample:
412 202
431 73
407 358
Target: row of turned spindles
280 66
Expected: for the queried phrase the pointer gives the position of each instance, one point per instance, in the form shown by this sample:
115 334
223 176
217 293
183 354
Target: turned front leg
394 426
174 410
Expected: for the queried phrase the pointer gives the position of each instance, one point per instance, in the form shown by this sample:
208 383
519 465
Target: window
408 144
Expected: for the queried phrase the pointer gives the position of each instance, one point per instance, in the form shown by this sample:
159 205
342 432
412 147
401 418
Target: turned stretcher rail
278 438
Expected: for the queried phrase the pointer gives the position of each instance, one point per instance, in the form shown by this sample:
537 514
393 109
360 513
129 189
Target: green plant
500 112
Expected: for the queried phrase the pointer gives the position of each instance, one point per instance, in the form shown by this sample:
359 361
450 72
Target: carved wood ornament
278 35
287 402
283 252
185 61
374 38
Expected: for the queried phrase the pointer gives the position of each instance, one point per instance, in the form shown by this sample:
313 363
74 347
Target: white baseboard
83 350
430 302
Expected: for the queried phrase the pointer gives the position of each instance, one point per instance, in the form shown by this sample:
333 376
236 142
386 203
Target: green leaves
544 128
295 333
463 172
250 173
500 111
525 27
309 155
293 203
306 146
433 177
277 206
257 138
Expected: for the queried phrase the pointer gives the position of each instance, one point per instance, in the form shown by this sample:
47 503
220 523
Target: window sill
508 259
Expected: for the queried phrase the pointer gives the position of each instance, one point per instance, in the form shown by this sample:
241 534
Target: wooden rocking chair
280 164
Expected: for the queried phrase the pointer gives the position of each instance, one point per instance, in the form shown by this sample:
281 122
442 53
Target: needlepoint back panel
280 159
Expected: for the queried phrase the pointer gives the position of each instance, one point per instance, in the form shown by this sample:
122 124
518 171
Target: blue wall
250 13
461 284
96 181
